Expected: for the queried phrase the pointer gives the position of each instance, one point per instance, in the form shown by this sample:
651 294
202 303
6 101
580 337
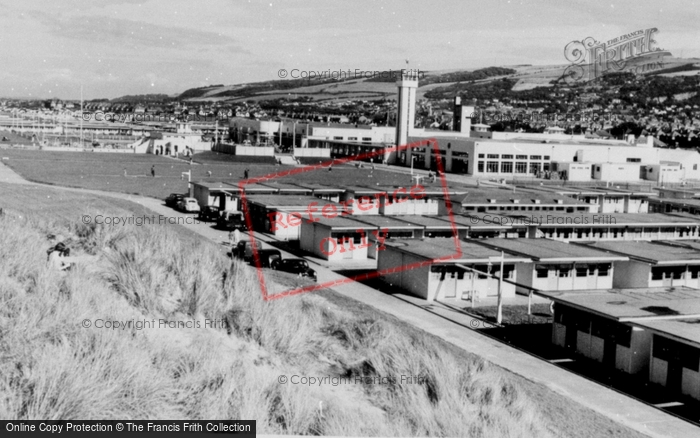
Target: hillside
433 85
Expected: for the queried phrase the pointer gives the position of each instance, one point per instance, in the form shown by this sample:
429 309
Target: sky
113 48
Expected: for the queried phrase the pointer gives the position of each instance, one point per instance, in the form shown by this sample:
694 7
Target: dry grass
51 367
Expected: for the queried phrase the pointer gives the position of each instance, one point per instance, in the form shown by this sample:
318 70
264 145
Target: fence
266 151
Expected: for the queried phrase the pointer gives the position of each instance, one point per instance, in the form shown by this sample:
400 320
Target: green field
105 171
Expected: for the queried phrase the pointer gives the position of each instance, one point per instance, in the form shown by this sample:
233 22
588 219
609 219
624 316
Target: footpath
454 327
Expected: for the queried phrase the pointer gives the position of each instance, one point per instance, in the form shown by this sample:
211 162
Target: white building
558 265
655 264
433 269
649 332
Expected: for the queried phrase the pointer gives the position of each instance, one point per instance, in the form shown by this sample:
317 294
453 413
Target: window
657 273
337 138
695 167
581 270
564 271
366 138
604 270
492 166
506 157
493 156
352 138
597 168
623 335
546 157
676 272
507 167
480 166
673 351
535 157
542 271
634 160
520 167
521 157
481 156
483 269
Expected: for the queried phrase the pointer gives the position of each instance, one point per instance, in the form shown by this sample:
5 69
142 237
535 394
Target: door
609 352
674 376
570 340
450 285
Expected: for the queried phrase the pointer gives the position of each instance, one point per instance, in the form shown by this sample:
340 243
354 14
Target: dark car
295 266
173 199
244 250
231 220
209 213
268 257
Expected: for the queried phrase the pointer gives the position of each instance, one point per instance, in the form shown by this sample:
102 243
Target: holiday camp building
501 200
283 215
338 240
436 226
649 332
226 196
433 269
607 200
323 191
655 264
558 265
583 227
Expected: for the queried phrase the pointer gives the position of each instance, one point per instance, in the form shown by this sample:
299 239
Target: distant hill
479 83
143 98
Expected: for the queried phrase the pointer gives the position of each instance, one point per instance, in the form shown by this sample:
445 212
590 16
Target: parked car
295 266
209 213
244 250
188 205
173 199
231 220
268 256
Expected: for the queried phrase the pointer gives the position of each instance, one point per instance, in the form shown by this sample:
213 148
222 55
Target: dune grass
52 367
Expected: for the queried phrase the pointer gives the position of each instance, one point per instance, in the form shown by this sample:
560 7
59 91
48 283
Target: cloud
131 33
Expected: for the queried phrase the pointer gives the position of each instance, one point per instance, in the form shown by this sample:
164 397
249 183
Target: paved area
454 327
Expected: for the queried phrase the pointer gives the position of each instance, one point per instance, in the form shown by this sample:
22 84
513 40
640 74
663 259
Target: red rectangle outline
291 292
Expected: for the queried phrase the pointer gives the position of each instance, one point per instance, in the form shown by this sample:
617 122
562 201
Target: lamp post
499 314
413 157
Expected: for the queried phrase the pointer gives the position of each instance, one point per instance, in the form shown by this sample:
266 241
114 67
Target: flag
407 62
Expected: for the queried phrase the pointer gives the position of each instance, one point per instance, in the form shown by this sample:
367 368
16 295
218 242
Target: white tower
406 111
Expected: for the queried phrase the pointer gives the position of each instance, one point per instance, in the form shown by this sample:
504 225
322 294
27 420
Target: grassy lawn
104 171
13 138
55 367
